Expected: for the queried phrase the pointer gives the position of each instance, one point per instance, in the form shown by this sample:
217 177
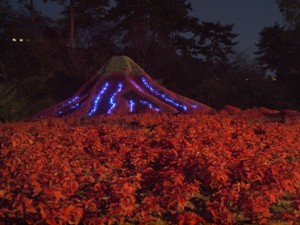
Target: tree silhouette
84 12
278 50
147 25
214 42
291 11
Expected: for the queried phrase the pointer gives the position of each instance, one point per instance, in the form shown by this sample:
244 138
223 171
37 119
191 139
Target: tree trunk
32 11
72 29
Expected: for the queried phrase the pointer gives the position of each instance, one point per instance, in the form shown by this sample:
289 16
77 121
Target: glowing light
112 100
75 106
131 105
70 101
13 39
149 105
61 112
164 96
136 85
21 40
98 98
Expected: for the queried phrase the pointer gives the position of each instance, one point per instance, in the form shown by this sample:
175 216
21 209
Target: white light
21 40
14 39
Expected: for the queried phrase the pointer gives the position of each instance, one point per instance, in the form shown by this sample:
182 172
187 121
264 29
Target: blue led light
75 106
70 101
98 98
164 96
131 105
112 100
195 106
61 112
149 105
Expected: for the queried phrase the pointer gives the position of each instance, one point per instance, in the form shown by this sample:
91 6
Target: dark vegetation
45 60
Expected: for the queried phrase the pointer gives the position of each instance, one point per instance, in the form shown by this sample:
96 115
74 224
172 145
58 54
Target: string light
112 100
61 112
131 105
149 105
98 98
71 101
164 96
136 85
146 86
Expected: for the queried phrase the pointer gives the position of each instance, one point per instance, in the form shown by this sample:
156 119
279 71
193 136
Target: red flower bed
146 169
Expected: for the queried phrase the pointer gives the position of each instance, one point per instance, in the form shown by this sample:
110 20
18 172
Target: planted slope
122 87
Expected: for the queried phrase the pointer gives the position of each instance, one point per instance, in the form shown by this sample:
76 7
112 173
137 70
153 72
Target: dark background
193 48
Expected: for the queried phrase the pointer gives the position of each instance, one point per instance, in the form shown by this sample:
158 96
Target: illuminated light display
71 101
97 99
136 85
121 87
112 100
149 105
164 96
73 107
14 40
131 105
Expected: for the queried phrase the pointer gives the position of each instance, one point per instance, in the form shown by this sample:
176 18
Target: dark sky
249 16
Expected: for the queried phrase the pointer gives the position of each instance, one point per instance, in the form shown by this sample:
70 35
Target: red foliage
183 169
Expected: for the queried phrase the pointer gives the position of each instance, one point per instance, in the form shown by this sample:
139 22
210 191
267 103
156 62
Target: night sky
249 17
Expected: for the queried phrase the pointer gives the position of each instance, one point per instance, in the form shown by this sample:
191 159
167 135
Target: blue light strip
61 112
149 105
71 101
112 100
131 105
75 106
98 98
164 96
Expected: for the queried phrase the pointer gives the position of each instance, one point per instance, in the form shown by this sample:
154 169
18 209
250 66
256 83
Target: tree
291 11
83 11
214 42
150 33
29 6
278 50
144 24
